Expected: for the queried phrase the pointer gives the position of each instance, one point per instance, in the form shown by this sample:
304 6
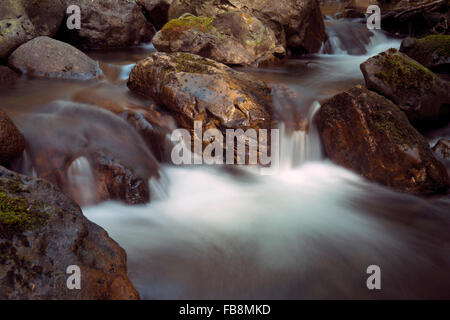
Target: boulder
350 14
298 24
86 159
232 38
424 96
369 135
153 124
49 58
42 233
108 24
23 20
12 142
7 76
432 52
156 11
199 89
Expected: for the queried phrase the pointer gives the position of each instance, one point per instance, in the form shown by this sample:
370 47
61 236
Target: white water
309 231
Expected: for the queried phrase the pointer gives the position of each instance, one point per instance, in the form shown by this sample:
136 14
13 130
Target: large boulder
108 24
298 24
368 134
432 52
42 233
156 11
12 142
23 20
199 89
424 96
49 58
232 38
79 148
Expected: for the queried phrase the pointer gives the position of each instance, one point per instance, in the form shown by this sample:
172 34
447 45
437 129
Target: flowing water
309 231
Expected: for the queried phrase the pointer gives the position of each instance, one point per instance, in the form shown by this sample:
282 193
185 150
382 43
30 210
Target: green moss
174 28
193 64
434 44
17 214
403 73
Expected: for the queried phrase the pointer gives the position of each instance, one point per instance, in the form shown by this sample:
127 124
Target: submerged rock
432 52
424 96
12 142
199 89
297 24
152 123
49 58
23 20
368 134
42 233
230 38
108 24
156 11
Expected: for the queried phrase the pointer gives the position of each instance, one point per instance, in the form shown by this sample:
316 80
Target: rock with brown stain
423 96
233 38
42 233
49 58
12 142
297 24
368 134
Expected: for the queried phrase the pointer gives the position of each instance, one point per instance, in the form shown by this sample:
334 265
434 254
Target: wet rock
424 96
23 20
80 149
442 149
108 24
230 38
12 142
153 124
7 76
49 58
298 25
350 14
432 52
42 233
156 11
368 134
199 89
417 19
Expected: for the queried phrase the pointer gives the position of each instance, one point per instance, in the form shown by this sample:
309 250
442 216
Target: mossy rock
174 28
432 51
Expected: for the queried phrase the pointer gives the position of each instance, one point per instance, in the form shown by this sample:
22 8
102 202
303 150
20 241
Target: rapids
310 231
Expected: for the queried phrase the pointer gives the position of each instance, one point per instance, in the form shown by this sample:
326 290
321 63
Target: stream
309 231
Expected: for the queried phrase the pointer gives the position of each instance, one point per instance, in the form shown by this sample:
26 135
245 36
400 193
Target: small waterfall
300 146
159 187
82 181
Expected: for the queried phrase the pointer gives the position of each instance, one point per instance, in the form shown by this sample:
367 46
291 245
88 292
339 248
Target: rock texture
23 20
108 24
7 76
12 142
298 24
424 96
432 52
231 38
199 89
368 134
49 58
156 11
42 232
